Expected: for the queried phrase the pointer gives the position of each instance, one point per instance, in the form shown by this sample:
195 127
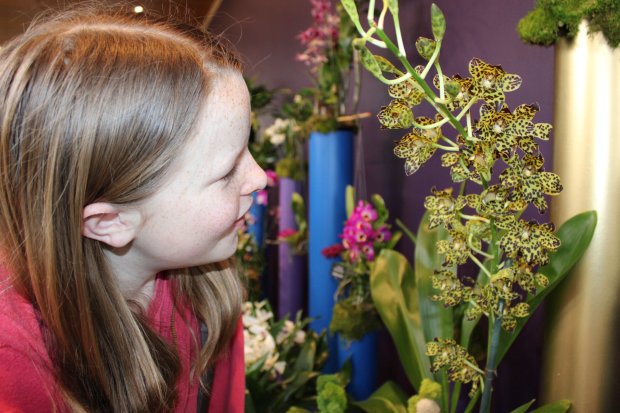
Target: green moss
331 396
538 27
352 321
552 19
605 17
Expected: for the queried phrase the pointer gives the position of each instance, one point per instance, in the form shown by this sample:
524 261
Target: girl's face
193 218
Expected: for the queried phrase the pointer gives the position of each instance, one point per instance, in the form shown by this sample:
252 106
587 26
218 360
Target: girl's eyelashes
230 173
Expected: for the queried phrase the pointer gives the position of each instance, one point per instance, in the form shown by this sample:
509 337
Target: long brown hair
94 106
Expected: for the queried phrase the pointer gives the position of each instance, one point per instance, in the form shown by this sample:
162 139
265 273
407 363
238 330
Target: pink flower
360 233
365 211
368 251
287 232
272 177
354 254
261 197
321 36
382 234
332 251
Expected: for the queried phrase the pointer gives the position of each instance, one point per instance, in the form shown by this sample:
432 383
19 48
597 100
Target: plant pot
291 268
584 311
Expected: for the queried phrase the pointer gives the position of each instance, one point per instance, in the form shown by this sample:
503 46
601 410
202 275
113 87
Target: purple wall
265 31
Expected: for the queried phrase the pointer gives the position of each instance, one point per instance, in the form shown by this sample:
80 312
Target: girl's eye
230 173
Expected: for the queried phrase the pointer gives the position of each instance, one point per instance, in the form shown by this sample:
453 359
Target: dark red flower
332 251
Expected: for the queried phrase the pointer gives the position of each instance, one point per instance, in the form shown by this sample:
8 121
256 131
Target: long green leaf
560 406
388 398
436 319
392 285
575 234
523 408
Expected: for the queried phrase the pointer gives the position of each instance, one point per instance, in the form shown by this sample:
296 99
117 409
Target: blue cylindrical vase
256 226
363 355
330 171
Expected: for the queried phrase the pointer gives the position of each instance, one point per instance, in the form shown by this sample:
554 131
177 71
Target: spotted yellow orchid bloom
417 146
530 241
461 365
527 278
455 248
408 91
529 182
458 90
512 130
443 207
396 115
451 290
490 82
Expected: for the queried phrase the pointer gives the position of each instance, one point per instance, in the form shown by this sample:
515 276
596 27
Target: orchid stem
406 230
490 370
427 90
481 265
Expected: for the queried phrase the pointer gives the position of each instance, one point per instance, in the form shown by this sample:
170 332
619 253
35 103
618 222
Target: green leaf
297 410
382 211
349 199
436 319
438 22
560 406
425 47
249 403
387 66
299 381
575 235
370 62
396 236
392 285
299 208
305 361
393 6
351 9
523 408
388 398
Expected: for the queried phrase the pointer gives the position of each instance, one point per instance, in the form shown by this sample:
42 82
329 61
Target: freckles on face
191 219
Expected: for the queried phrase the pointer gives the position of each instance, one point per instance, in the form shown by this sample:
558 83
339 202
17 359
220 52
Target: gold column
580 350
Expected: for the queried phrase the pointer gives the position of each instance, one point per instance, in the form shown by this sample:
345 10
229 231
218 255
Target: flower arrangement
282 360
365 233
283 141
495 162
329 57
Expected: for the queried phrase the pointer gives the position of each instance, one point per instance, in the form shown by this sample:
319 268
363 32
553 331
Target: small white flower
427 406
286 331
279 367
277 139
300 337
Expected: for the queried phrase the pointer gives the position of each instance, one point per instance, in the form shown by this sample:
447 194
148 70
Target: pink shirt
26 378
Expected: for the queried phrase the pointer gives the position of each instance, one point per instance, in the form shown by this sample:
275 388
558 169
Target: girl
124 171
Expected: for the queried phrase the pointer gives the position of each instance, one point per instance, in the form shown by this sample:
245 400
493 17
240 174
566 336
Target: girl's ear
110 224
